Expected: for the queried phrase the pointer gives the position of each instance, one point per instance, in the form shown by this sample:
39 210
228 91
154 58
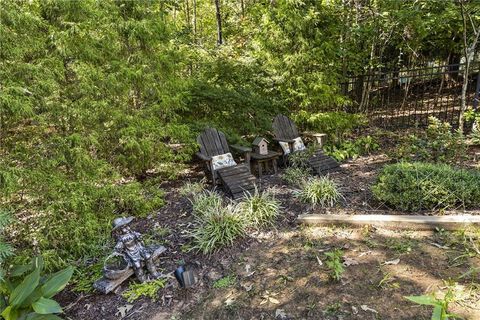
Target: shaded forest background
100 101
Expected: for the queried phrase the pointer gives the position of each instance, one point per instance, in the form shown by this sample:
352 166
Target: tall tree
219 22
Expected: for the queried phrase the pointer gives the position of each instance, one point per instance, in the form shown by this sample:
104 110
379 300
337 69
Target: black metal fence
404 98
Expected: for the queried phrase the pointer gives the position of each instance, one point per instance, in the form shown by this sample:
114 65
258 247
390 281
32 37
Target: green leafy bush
437 144
319 191
29 296
217 229
334 263
416 186
295 176
352 149
337 125
259 209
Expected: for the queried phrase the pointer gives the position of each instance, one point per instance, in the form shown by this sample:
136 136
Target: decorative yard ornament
260 145
130 256
130 244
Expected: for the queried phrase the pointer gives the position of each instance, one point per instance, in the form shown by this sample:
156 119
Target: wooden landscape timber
416 222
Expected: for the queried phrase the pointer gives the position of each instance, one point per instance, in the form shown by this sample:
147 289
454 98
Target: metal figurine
131 246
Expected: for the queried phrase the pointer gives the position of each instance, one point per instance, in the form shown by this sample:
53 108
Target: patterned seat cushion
223 161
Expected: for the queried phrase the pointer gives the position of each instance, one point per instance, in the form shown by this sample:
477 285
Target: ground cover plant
26 293
418 186
321 191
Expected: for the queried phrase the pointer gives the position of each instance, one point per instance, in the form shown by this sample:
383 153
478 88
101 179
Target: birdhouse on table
260 146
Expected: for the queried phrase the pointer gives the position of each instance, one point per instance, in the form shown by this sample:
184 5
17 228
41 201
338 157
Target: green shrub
319 191
337 125
437 144
259 209
217 229
29 296
206 202
295 176
300 159
352 149
416 186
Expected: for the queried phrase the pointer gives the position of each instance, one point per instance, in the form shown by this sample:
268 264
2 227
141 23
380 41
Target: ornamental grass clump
295 176
205 202
426 186
319 191
218 228
259 209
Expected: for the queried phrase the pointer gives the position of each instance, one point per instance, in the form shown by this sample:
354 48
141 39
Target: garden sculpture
135 258
130 244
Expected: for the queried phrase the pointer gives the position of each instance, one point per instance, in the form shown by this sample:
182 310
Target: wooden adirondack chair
236 179
286 131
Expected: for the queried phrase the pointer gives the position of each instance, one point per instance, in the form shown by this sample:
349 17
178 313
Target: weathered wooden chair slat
235 179
285 130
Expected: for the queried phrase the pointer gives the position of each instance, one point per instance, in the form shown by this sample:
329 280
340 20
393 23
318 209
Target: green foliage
6 250
416 186
206 202
440 306
321 191
259 209
337 125
437 144
146 289
225 282
295 176
334 263
300 159
26 293
352 149
190 189
218 228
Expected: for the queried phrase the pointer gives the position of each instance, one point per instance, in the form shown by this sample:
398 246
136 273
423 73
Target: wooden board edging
417 222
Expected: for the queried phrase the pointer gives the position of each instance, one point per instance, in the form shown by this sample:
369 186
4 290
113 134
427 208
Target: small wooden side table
266 160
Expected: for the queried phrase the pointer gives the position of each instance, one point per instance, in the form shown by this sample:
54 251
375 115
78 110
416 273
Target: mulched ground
281 273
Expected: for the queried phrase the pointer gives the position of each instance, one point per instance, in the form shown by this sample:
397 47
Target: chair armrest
284 140
241 148
203 157
314 134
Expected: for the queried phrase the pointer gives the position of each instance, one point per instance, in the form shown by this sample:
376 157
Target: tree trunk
467 50
219 22
195 20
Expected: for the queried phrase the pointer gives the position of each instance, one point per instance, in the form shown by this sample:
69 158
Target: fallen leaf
273 300
364 307
280 313
229 301
122 311
439 245
392 262
319 261
354 310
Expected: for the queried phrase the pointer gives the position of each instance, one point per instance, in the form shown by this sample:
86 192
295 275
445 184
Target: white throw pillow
285 147
298 145
223 161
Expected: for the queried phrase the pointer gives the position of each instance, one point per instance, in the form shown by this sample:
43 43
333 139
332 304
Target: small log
416 222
